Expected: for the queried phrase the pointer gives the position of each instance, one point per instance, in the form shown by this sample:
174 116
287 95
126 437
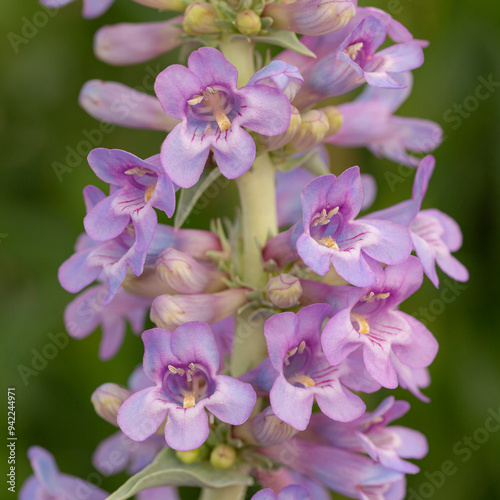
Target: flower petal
186 428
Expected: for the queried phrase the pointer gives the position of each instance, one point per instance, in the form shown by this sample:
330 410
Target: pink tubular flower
213 112
132 43
183 366
311 17
91 8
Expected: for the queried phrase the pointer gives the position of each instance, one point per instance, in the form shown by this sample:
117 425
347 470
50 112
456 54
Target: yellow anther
140 171
175 371
148 194
189 400
212 97
305 380
352 50
302 346
323 218
328 242
371 297
364 327
196 99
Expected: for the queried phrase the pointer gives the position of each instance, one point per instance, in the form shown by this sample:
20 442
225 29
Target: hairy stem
240 53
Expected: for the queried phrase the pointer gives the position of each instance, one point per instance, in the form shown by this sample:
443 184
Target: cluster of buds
296 301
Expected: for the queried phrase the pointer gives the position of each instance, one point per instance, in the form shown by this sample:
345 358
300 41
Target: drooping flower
371 321
90 10
49 483
213 112
86 312
133 43
311 17
183 366
329 235
116 103
434 234
371 434
368 121
349 474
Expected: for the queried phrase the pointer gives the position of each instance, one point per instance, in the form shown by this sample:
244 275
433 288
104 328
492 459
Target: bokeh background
41 216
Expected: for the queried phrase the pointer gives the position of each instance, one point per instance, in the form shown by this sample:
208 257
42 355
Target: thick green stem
240 53
229 493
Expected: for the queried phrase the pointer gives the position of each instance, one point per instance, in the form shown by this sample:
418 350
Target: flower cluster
297 300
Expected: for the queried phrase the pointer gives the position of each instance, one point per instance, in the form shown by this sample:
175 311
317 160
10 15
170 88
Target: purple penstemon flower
298 371
86 312
434 234
183 366
49 483
137 186
371 321
371 434
329 234
355 61
213 112
90 10
368 121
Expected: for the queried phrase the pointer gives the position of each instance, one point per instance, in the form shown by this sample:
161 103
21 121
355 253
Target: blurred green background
42 216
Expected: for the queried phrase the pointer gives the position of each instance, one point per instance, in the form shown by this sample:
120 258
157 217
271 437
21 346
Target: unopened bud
189 457
200 18
278 141
223 456
335 119
107 400
311 17
248 23
171 311
284 290
313 130
184 274
265 429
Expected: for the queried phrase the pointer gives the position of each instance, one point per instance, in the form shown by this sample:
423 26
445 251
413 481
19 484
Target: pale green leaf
285 39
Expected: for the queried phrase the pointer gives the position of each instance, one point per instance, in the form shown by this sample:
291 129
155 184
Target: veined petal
339 403
393 244
141 414
158 353
398 58
183 156
186 428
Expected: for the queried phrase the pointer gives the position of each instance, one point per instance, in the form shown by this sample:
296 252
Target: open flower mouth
215 104
187 385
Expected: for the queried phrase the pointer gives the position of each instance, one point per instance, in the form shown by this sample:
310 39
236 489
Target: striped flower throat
214 103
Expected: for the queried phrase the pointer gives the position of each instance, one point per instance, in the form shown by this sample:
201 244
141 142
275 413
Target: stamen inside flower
305 380
328 242
371 297
215 104
140 171
148 194
363 325
352 50
322 218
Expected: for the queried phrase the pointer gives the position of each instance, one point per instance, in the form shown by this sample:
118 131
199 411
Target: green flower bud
312 131
223 456
248 23
189 457
200 19
271 143
335 119
284 290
